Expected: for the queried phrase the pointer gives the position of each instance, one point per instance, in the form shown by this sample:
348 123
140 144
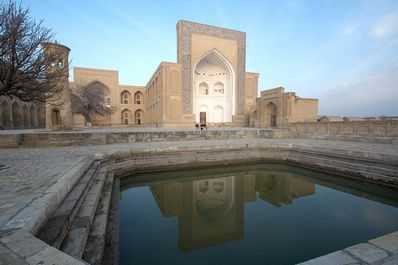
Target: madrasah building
208 84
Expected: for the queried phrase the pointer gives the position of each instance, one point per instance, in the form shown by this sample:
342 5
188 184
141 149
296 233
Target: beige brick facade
208 84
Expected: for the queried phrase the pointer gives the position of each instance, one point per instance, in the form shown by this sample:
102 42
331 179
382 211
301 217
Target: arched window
219 88
203 88
138 97
108 101
125 97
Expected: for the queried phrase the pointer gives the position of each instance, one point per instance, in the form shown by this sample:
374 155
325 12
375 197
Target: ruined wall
366 131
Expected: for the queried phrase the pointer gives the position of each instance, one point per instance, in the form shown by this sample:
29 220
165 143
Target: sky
343 52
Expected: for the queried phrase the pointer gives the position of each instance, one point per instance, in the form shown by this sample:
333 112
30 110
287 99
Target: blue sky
343 52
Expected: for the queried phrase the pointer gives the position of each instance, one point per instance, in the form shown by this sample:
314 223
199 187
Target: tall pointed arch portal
213 70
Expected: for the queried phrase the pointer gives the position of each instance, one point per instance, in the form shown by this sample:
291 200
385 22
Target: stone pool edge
13 239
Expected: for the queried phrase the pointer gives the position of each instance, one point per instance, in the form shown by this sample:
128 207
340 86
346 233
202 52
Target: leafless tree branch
26 71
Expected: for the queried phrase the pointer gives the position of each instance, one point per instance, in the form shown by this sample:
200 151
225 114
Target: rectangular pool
254 214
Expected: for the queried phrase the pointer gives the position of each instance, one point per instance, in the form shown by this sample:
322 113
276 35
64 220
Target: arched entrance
6 115
56 117
17 116
203 114
126 117
213 86
139 117
272 114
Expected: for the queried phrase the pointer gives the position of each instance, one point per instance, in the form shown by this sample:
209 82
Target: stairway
78 226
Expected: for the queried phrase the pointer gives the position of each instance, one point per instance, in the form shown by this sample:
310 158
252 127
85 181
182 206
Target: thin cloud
386 27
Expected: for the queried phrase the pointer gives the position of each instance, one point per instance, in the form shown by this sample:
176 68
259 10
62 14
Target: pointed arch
126 117
272 113
125 97
6 115
41 117
33 117
26 118
139 117
214 69
203 88
138 97
17 116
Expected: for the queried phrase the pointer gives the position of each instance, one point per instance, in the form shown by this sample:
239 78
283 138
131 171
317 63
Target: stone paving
33 179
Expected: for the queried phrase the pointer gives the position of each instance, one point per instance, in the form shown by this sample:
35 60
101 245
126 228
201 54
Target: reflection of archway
6 115
125 97
213 198
17 115
138 96
213 71
126 117
272 112
139 117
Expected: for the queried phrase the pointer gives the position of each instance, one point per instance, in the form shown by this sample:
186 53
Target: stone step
55 229
372 173
351 164
75 240
95 245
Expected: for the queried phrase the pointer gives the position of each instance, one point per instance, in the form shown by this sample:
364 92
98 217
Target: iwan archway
213 89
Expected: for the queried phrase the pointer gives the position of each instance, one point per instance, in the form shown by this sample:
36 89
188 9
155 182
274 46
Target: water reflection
210 211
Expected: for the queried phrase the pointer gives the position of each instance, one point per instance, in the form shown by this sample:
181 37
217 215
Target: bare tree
26 71
90 99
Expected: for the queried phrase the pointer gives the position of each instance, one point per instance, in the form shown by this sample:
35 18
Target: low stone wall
10 140
41 139
377 131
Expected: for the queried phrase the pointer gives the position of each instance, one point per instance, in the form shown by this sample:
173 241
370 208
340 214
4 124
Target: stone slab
7 257
367 252
391 260
334 258
23 243
51 256
388 242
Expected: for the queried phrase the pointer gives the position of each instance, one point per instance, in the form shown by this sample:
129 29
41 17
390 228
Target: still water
255 214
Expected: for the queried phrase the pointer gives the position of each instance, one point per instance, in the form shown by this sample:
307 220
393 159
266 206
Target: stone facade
275 108
208 84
